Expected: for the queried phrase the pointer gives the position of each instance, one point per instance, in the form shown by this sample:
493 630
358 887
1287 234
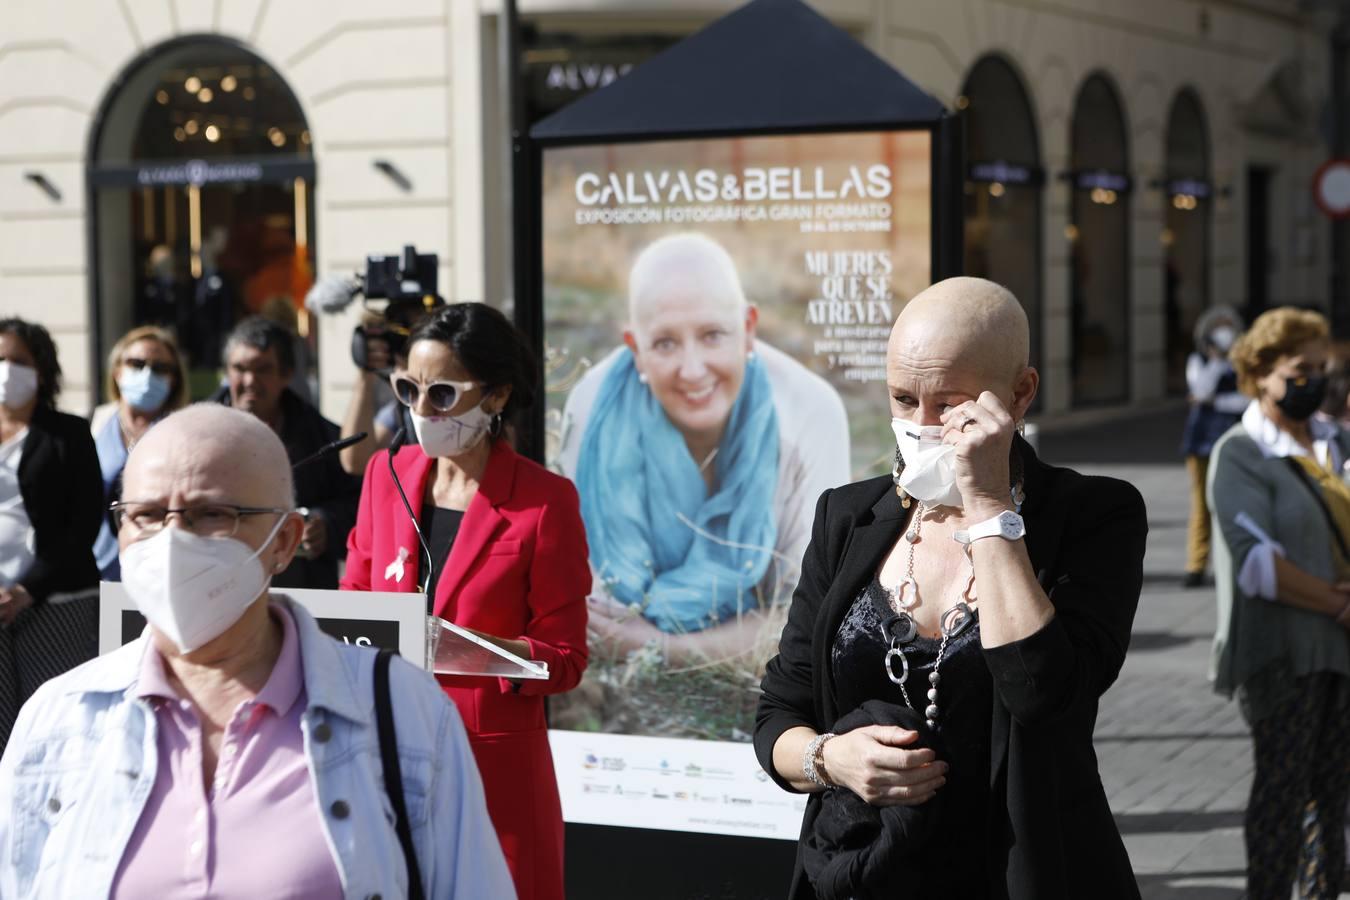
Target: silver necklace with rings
900 629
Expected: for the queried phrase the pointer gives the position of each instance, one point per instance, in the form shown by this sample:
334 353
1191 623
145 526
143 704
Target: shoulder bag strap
1321 503
393 773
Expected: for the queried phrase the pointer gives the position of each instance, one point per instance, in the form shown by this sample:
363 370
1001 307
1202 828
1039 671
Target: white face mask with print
930 464
18 384
193 588
451 435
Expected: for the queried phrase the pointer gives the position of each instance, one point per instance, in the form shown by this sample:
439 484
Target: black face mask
1302 396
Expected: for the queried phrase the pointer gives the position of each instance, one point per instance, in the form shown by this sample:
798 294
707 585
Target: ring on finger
969 420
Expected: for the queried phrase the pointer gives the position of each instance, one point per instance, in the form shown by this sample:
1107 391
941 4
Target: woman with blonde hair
145 381
1281 510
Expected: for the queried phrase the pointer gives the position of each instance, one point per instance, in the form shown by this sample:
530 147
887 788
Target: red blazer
517 569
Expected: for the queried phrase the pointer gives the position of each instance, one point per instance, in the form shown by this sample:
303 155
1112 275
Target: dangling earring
1017 477
495 426
1022 427
642 377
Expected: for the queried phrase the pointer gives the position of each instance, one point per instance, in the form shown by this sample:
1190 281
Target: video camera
407 284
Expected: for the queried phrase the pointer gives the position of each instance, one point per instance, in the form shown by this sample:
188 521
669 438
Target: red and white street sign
1331 188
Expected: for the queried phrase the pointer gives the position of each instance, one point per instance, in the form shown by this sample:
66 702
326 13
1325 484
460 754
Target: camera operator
372 408
407 284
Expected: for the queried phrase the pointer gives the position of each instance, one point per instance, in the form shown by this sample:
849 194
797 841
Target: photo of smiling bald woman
699 451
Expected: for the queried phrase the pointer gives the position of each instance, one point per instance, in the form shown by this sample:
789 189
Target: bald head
686 269
213 451
974 323
955 340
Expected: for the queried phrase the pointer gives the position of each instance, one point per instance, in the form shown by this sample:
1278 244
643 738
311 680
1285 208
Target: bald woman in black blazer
1001 630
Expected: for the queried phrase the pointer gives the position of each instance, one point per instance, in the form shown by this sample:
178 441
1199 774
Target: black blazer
1051 831
62 489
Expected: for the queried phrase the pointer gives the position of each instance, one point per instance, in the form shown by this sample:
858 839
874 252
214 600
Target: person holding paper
233 750
508 561
953 631
698 450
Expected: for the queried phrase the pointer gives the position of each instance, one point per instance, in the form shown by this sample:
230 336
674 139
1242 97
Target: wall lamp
44 185
394 174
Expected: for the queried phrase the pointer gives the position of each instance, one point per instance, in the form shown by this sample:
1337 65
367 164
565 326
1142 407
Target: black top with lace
954 861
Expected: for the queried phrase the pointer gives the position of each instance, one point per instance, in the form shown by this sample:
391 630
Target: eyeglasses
159 368
442 395
205 519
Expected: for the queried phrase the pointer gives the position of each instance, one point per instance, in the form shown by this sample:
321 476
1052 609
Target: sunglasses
159 368
442 395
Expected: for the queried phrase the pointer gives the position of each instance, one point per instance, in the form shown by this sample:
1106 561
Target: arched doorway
1185 235
1003 186
201 181
1099 288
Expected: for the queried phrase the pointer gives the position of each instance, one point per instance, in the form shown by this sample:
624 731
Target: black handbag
393 773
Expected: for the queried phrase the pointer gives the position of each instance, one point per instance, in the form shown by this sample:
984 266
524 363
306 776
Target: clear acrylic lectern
452 650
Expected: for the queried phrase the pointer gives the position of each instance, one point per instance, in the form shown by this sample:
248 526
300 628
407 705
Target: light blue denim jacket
82 760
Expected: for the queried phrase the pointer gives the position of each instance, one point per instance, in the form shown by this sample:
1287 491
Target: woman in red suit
509 562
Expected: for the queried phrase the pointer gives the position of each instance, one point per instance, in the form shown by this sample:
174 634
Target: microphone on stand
326 449
394 447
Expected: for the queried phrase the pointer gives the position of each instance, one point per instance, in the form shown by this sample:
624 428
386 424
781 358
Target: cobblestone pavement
1175 757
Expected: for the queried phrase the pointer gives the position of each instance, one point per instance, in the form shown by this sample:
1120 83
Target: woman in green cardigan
1281 509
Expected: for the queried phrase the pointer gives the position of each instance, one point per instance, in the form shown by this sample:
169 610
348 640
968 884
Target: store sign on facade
1000 172
1101 179
1189 187
198 172
584 76
280 169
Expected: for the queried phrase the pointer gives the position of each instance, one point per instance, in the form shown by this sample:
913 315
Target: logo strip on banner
648 782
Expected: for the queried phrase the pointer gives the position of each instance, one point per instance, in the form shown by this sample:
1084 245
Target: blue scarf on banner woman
636 479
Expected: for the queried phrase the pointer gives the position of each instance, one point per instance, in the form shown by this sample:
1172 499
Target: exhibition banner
716 315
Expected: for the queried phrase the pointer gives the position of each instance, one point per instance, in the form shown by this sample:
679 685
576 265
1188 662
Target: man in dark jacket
259 361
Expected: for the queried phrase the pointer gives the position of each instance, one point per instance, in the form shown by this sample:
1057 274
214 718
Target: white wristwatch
1007 525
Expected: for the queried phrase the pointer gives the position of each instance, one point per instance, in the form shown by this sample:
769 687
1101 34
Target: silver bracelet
809 758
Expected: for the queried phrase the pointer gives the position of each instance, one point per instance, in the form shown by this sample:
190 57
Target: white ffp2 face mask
930 464
18 384
451 435
193 588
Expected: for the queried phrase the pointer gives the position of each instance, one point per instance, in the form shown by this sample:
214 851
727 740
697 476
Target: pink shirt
257 831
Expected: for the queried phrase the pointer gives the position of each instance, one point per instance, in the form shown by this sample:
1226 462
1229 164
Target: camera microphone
394 447
332 293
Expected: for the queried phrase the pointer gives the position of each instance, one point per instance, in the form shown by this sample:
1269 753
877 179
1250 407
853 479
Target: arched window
1003 186
201 177
1185 234
1099 292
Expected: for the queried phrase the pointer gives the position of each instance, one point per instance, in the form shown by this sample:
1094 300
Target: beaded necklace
899 629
